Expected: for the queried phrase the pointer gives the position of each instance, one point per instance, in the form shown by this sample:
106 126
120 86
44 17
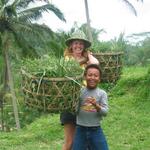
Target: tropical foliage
131 6
139 53
16 25
16 19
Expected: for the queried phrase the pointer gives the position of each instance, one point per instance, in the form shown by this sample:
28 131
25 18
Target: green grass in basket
50 66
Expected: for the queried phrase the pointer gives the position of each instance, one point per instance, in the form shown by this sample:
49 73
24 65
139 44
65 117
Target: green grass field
127 126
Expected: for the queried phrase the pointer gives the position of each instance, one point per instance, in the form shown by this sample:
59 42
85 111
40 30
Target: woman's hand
92 59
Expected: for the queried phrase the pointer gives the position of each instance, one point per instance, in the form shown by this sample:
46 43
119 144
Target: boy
91 108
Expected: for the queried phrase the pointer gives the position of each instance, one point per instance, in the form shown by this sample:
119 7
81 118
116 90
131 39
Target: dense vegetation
126 126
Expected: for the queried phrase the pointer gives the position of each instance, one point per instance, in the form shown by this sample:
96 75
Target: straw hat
78 35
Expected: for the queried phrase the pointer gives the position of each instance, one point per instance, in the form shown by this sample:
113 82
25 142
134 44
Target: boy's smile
92 78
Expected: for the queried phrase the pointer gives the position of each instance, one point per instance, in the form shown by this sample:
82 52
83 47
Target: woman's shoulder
67 55
67 52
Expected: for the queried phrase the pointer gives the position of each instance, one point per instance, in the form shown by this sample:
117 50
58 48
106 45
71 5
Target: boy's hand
92 100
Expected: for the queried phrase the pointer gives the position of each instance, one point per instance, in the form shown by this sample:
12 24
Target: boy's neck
91 88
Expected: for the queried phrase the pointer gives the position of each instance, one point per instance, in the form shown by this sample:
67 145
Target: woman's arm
92 59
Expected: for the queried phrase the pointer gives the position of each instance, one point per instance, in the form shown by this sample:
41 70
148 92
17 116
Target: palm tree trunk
88 21
9 79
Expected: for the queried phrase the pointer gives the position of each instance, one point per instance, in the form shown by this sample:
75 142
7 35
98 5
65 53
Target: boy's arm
104 104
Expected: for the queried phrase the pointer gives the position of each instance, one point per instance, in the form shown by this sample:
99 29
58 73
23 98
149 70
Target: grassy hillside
127 126
128 123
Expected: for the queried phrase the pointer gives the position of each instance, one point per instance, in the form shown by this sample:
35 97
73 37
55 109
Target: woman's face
77 48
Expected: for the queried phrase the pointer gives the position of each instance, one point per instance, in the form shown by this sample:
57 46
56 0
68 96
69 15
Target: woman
76 49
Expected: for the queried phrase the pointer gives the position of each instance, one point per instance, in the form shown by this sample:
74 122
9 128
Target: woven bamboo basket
51 94
111 65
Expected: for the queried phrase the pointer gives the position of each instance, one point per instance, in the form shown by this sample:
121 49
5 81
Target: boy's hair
92 66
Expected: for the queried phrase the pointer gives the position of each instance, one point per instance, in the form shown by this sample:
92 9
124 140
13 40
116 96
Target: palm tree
88 21
131 7
16 24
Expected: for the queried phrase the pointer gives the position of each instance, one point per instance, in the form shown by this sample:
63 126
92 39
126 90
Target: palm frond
31 36
36 12
137 35
25 3
27 48
4 2
142 34
131 7
31 30
140 0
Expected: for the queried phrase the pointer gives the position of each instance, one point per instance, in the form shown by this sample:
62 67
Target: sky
111 15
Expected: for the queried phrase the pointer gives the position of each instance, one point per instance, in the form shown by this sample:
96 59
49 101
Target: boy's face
92 78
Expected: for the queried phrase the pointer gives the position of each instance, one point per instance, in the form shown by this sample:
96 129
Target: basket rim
108 53
66 78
